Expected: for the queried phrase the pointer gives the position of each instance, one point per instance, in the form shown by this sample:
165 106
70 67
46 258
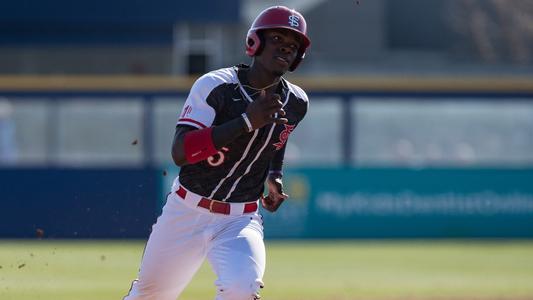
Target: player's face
280 50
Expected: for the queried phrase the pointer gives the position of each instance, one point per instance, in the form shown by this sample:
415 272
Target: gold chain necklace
258 90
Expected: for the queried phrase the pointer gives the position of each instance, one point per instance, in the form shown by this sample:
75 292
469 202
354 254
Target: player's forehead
284 32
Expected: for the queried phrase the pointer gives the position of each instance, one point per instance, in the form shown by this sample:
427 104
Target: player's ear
261 35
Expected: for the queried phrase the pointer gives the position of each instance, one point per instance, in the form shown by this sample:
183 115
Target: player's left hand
275 196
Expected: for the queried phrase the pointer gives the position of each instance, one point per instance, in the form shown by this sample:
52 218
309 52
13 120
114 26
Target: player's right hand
266 110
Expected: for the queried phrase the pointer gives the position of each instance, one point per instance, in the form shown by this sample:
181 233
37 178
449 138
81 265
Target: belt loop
211 202
181 192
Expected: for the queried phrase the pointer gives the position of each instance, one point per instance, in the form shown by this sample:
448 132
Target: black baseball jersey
238 172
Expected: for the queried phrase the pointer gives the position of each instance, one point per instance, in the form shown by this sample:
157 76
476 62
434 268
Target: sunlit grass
310 270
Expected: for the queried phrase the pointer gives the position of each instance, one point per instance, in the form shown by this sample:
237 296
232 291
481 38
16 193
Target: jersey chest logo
284 135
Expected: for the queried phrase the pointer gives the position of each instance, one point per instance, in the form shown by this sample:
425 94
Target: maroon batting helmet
278 17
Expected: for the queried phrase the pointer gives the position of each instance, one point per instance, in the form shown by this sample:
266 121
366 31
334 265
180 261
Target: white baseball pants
184 235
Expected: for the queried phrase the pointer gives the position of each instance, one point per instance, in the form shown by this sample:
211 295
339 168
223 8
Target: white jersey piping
256 156
250 165
235 165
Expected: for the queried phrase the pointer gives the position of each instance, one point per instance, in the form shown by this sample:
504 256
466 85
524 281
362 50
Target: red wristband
198 145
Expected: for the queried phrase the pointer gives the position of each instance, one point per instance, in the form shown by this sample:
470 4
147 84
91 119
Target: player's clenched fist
265 110
275 196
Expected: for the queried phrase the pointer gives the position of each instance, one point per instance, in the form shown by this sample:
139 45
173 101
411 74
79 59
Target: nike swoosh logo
236 99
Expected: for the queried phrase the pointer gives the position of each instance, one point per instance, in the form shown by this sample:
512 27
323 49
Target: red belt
218 207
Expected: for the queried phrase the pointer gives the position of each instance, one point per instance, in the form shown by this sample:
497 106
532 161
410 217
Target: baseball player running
230 138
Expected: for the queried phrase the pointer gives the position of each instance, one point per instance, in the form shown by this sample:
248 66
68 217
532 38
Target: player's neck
261 79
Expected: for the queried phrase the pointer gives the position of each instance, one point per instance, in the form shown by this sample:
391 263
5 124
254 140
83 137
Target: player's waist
214 206
249 188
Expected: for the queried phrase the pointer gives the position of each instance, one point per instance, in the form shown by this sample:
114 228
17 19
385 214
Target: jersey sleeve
196 111
276 164
302 100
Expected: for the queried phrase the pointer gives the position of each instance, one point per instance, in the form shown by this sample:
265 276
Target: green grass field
310 270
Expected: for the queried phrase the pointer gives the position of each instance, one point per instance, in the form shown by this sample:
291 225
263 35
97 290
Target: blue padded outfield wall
324 203
72 203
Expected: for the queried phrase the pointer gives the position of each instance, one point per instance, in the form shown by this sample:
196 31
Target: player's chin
279 70
279 73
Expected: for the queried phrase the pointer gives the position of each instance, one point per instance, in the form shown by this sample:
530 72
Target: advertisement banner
397 203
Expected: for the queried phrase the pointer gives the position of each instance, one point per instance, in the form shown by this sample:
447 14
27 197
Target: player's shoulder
213 79
297 91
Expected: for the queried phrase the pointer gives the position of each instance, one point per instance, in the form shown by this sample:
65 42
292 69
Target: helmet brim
306 41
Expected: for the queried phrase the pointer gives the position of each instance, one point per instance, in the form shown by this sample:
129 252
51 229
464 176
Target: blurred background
417 149
420 123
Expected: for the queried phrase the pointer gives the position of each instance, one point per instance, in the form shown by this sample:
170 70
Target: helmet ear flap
253 43
297 60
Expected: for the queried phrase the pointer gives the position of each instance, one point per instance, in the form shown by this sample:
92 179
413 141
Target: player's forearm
218 136
227 132
276 164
